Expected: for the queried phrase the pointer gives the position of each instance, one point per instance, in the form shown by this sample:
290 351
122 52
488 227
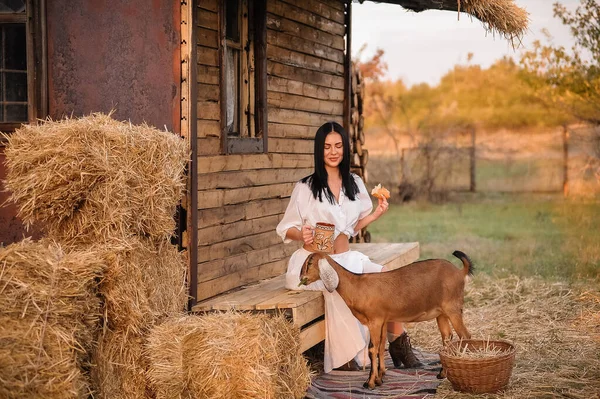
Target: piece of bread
380 192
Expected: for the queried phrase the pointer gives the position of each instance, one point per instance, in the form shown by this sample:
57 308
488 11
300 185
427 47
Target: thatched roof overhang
498 16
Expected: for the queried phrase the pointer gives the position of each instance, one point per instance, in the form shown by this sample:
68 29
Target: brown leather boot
402 353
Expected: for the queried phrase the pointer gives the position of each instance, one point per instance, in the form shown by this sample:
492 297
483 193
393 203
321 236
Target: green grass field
524 235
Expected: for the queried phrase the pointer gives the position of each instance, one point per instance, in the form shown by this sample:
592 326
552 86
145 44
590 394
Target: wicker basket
478 375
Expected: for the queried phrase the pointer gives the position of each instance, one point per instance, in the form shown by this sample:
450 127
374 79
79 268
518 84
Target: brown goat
421 291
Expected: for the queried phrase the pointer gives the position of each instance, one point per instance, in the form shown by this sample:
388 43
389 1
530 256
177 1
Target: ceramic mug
323 238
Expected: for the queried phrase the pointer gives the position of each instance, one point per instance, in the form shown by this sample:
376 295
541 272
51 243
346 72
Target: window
20 66
243 80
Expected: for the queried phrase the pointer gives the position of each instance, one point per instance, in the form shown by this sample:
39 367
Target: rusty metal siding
117 54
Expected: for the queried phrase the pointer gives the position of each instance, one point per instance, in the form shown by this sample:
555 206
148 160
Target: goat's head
316 267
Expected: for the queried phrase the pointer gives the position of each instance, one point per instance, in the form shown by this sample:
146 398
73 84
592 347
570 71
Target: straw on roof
94 177
498 16
227 355
48 319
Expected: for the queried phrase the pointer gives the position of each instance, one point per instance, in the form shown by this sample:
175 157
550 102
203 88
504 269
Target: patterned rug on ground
397 383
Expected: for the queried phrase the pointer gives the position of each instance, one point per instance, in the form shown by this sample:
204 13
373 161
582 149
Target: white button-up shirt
303 208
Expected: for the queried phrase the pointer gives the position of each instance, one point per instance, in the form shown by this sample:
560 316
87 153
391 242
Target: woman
334 195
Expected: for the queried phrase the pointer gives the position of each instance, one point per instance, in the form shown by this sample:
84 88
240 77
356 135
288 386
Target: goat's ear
328 275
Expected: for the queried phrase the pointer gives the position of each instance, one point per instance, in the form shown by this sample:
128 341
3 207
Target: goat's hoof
367 385
378 381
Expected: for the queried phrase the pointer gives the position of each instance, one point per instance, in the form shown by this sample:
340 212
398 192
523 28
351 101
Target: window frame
257 82
34 19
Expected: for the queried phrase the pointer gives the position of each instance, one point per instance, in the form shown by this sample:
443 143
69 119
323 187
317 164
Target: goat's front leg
375 333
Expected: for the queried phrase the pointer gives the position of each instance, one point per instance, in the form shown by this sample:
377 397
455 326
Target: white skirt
345 337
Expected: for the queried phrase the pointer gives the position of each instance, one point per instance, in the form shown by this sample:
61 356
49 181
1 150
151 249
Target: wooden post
472 186
188 126
402 167
260 54
565 136
348 67
222 78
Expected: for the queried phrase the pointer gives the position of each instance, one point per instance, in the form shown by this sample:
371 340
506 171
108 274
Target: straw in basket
484 373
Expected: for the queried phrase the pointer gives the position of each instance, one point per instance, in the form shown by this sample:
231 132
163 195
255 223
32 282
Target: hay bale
164 350
144 282
227 355
49 315
93 177
39 361
119 370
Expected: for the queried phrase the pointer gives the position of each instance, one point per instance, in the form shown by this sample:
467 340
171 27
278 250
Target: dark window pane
16 113
16 54
11 6
16 86
232 21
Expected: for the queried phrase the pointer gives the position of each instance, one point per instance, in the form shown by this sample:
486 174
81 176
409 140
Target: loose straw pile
555 327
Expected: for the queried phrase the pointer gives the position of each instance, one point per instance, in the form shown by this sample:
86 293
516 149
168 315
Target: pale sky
422 47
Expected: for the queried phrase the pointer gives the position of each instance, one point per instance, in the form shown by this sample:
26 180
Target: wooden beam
217 198
301 103
208 146
319 9
275 68
312 335
292 86
292 57
210 5
305 17
246 178
207 74
238 212
281 24
239 262
348 67
207 37
212 164
208 128
291 146
222 77
260 65
222 284
208 56
207 19
300 44
208 92
293 117
214 234
192 211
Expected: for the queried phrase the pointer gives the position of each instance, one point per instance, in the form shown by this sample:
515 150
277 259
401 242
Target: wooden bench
305 309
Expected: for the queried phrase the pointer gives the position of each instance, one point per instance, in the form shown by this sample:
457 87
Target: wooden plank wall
241 198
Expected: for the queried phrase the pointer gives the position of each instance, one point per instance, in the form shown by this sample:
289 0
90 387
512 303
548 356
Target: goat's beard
329 277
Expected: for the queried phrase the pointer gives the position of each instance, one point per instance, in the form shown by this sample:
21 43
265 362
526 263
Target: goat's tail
468 268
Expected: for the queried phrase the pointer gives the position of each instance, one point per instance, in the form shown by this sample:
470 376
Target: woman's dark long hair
318 180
